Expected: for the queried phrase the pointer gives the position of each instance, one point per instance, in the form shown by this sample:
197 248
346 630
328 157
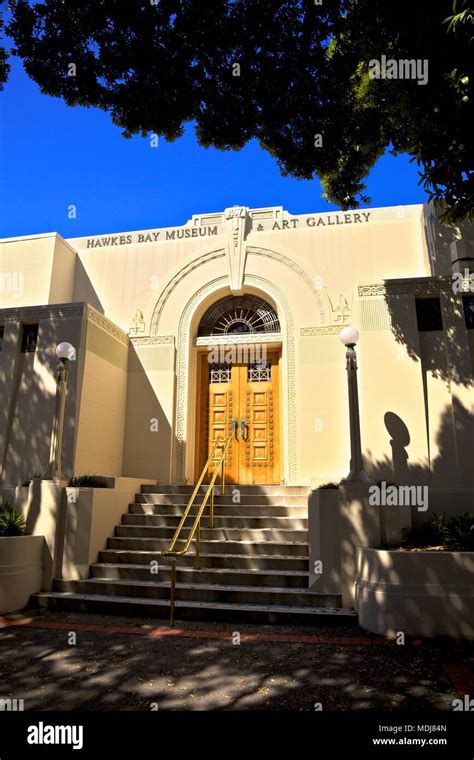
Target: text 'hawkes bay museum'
179 233
165 323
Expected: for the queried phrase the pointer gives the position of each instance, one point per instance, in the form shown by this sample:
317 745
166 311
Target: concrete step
217 533
297 549
227 499
251 563
201 592
245 489
242 577
224 510
220 521
186 610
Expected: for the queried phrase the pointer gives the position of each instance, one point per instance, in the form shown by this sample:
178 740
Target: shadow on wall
441 472
83 288
27 403
418 593
421 594
440 240
148 434
445 356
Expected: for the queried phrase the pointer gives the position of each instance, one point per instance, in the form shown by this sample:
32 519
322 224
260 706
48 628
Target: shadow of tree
444 353
128 672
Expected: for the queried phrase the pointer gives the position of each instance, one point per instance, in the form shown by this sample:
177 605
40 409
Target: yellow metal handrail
173 553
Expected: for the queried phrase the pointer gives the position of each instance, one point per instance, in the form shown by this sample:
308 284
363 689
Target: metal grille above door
236 315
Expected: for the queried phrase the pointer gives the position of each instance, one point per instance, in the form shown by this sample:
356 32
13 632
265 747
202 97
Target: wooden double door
242 400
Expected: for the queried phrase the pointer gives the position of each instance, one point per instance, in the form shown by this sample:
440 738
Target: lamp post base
52 474
357 477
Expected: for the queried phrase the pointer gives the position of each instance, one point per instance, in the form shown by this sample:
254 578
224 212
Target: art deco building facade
229 325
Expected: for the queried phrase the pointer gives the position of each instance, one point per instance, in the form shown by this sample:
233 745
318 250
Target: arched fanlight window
236 315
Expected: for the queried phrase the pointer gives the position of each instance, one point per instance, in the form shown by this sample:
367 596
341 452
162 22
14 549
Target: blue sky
52 156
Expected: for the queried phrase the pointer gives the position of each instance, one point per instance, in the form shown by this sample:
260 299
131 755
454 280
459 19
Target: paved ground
136 664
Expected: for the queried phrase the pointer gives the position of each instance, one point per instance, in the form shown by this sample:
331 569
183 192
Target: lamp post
65 353
349 337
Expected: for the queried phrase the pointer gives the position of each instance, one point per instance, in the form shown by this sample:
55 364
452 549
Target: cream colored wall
123 278
341 255
128 278
149 420
30 259
63 270
44 267
91 517
101 425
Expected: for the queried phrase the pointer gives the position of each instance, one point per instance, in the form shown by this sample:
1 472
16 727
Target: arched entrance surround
187 367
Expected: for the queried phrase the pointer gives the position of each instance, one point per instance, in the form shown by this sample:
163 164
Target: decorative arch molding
320 295
289 359
272 253
176 279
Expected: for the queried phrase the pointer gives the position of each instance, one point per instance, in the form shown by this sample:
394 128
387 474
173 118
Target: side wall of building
101 419
28 390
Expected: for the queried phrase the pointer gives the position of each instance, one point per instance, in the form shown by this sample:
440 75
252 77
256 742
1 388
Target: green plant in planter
12 520
460 533
429 533
88 481
327 486
25 483
455 533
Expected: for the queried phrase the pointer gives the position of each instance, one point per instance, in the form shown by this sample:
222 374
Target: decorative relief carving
58 311
231 340
107 325
237 219
325 330
342 313
410 286
154 340
137 325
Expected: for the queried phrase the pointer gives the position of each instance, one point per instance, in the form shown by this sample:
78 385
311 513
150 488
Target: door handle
242 429
235 426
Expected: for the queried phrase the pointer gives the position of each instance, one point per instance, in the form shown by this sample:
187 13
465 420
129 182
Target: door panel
249 395
259 404
222 396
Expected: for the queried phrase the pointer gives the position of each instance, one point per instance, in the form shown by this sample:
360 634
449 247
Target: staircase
254 562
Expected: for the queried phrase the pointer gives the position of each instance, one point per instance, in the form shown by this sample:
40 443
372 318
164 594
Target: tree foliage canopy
280 71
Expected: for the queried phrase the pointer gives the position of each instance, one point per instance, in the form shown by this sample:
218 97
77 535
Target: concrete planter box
89 517
74 522
339 520
419 593
21 570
